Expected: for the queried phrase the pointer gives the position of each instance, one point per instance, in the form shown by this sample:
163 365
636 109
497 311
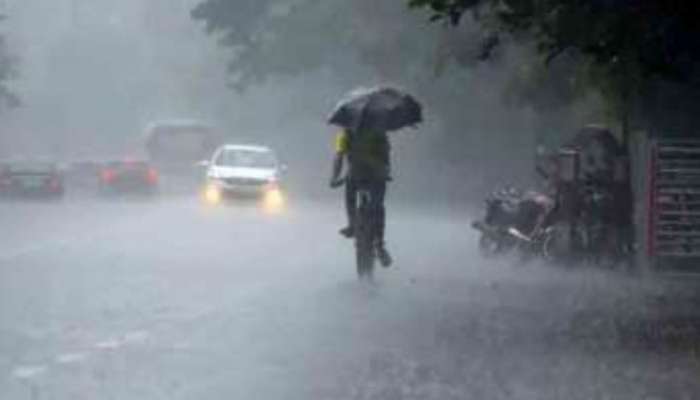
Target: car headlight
212 193
273 199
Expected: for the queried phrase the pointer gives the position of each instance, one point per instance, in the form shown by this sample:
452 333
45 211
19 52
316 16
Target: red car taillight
152 176
107 175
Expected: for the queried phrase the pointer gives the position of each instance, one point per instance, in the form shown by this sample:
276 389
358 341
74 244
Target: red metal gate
673 224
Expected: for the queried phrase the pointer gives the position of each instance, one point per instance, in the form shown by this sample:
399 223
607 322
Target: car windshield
247 159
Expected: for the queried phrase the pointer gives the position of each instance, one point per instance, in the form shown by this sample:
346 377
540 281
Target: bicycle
365 234
365 230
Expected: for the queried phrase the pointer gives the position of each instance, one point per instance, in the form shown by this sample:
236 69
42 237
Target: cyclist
367 153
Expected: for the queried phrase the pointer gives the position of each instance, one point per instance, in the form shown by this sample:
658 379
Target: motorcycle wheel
556 246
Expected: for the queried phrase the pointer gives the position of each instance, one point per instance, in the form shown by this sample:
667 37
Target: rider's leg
378 195
350 207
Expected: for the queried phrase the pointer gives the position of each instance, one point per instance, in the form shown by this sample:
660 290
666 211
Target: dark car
31 179
128 177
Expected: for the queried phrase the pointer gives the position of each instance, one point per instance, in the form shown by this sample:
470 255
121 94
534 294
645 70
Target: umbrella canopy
382 109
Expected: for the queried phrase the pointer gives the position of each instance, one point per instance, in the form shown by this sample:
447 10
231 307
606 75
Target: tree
659 36
628 46
269 38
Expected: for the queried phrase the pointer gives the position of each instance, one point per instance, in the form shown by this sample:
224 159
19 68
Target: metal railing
674 199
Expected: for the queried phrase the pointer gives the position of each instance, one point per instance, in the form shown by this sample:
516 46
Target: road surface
172 300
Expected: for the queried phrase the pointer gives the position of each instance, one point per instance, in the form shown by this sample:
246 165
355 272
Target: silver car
237 173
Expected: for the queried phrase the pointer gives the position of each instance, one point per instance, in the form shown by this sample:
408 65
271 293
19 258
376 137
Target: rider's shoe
348 232
384 257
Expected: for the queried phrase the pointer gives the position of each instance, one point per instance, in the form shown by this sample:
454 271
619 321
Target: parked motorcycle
520 222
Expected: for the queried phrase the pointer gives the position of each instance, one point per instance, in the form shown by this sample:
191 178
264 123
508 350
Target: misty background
93 73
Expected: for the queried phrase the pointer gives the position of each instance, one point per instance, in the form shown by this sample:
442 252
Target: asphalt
172 299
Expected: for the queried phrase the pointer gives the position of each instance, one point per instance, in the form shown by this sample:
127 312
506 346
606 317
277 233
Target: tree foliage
272 37
626 43
661 37
642 55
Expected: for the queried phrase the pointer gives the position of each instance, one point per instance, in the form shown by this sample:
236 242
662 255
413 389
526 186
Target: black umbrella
380 109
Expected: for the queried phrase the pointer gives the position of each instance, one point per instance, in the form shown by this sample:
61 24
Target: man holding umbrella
365 116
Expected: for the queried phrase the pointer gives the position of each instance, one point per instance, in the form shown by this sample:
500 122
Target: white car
240 172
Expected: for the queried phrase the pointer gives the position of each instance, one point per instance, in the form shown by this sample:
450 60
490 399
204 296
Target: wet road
171 300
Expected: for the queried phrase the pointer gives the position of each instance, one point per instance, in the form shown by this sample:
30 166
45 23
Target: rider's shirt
367 153
341 142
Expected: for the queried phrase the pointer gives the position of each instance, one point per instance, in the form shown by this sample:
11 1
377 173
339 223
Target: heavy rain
362 200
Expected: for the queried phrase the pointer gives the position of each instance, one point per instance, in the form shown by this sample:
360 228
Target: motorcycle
518 222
